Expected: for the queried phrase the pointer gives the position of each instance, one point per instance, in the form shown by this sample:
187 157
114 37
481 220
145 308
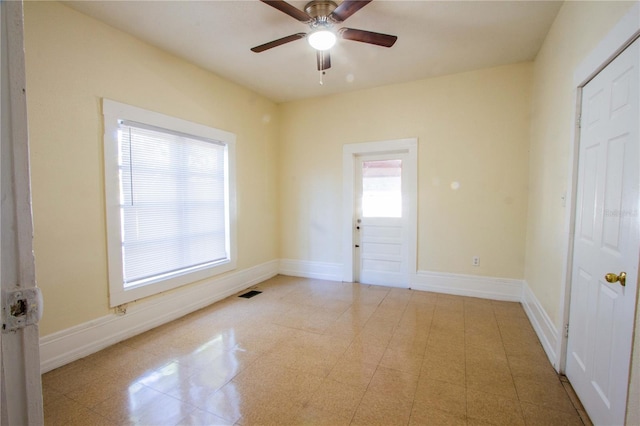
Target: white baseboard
460 285
547 332
68 345
79 341
469 285
310 269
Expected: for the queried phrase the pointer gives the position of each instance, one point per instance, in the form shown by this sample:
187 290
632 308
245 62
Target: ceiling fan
321 16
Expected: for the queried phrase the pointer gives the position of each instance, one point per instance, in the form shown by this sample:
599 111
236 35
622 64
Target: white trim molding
619 38
469 285
547 332
79 341
507 289
20 386
309 269
68 345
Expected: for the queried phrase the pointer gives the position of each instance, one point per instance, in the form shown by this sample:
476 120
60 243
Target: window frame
113 112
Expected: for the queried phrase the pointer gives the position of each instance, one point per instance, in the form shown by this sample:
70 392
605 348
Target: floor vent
250 294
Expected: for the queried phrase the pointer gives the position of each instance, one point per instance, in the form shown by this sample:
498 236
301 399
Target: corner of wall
547 332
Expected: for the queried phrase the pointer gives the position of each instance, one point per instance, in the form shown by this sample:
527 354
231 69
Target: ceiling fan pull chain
321 74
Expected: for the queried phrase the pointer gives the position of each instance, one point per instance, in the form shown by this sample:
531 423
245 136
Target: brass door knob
613 278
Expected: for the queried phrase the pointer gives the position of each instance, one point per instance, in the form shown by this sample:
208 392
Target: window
382 188
170 201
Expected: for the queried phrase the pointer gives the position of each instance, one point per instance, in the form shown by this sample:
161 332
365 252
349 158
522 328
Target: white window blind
173 202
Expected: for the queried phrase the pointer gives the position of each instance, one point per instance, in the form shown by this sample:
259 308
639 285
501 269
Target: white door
380 261
606 240
380 228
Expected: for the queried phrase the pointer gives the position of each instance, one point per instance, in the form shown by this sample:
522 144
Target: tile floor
317 352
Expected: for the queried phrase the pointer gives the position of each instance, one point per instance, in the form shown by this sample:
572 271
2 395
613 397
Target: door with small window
380 225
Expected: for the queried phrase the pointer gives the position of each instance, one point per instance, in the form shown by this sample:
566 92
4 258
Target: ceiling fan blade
324 60
384 40
289 9
278 42
348 8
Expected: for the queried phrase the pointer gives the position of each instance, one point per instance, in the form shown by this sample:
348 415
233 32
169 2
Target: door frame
625 32
20 388
350 152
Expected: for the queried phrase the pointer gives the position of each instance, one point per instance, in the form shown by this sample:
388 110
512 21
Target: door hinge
21 308
566 330
580 122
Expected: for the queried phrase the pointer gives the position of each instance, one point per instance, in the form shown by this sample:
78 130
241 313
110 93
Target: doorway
380 212
606 244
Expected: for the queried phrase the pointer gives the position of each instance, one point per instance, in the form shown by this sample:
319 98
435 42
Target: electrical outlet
475 261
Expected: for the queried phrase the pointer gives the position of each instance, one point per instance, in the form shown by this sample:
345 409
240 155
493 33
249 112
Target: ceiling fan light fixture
322 39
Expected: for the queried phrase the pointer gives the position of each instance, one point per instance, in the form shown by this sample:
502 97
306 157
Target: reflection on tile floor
318 352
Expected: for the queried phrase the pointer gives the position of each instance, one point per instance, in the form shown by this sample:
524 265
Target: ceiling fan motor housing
320 9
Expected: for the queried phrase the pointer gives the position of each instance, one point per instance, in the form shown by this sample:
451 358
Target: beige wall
472 128
577 29
72 62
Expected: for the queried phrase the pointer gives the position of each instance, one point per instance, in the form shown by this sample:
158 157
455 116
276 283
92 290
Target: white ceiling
434 38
